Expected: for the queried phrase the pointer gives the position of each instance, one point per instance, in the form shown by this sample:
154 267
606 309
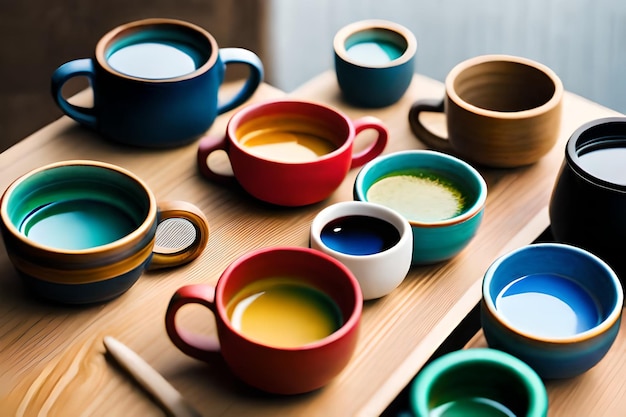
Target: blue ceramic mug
441 196
556 307
155 83
81 232
374 62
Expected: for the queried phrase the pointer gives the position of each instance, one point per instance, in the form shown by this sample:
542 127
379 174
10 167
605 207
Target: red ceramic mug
287 319
290 152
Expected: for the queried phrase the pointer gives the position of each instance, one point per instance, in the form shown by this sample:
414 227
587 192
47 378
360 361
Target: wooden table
52 359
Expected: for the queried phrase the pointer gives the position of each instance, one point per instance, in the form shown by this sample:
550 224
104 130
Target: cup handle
377 147
76 68
206 147
198 346
164 257
255 76
429 138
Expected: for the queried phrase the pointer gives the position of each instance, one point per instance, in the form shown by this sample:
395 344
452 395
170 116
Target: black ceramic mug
588 204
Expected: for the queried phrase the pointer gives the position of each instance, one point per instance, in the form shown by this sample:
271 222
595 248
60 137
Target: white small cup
380 272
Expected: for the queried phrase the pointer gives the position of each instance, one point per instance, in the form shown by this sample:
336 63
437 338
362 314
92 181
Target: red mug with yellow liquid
287 319
290 152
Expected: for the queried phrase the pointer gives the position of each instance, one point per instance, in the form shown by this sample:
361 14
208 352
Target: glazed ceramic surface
501 111
374 62
438 240
478 382
589 196
291 183
273 369
378 273
571 320
140 110
84 231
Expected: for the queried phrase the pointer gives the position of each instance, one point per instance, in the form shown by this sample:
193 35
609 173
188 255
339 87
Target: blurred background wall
582 40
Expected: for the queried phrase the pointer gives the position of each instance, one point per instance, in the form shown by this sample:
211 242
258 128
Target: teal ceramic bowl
437 180
478 382
554 306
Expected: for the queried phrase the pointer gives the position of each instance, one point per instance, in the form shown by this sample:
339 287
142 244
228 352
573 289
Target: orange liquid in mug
282 312
288 139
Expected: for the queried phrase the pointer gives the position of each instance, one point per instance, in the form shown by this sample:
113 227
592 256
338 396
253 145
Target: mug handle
164 257
206 147
429 138
377 147
249 58
197 346
77 68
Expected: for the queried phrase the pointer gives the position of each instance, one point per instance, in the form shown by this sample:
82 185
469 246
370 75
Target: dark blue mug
374 62
155 83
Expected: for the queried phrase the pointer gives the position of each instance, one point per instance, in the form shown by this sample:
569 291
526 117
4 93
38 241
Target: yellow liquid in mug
283 313
419 197
289 139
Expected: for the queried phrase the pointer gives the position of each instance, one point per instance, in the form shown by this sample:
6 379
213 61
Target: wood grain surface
52 359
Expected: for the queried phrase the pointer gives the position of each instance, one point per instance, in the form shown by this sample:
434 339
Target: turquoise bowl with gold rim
439 236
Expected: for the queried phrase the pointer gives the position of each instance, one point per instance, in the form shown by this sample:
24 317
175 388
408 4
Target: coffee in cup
289 152
155 83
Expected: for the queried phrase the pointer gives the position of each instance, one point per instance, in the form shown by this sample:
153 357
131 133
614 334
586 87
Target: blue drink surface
374 52
77 224
359 235
548 305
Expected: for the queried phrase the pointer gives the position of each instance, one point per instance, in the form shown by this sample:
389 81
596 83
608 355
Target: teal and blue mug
81 232
478 382
374 62
441 196
155 83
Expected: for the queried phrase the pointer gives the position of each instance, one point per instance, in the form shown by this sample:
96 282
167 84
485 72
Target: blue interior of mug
159 51
375 46
77 207
552 291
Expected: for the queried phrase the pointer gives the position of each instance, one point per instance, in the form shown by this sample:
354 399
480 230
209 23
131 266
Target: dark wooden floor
36 36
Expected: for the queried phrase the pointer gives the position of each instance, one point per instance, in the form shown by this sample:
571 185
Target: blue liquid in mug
359 235
77 224
548 305
155 60
374 52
